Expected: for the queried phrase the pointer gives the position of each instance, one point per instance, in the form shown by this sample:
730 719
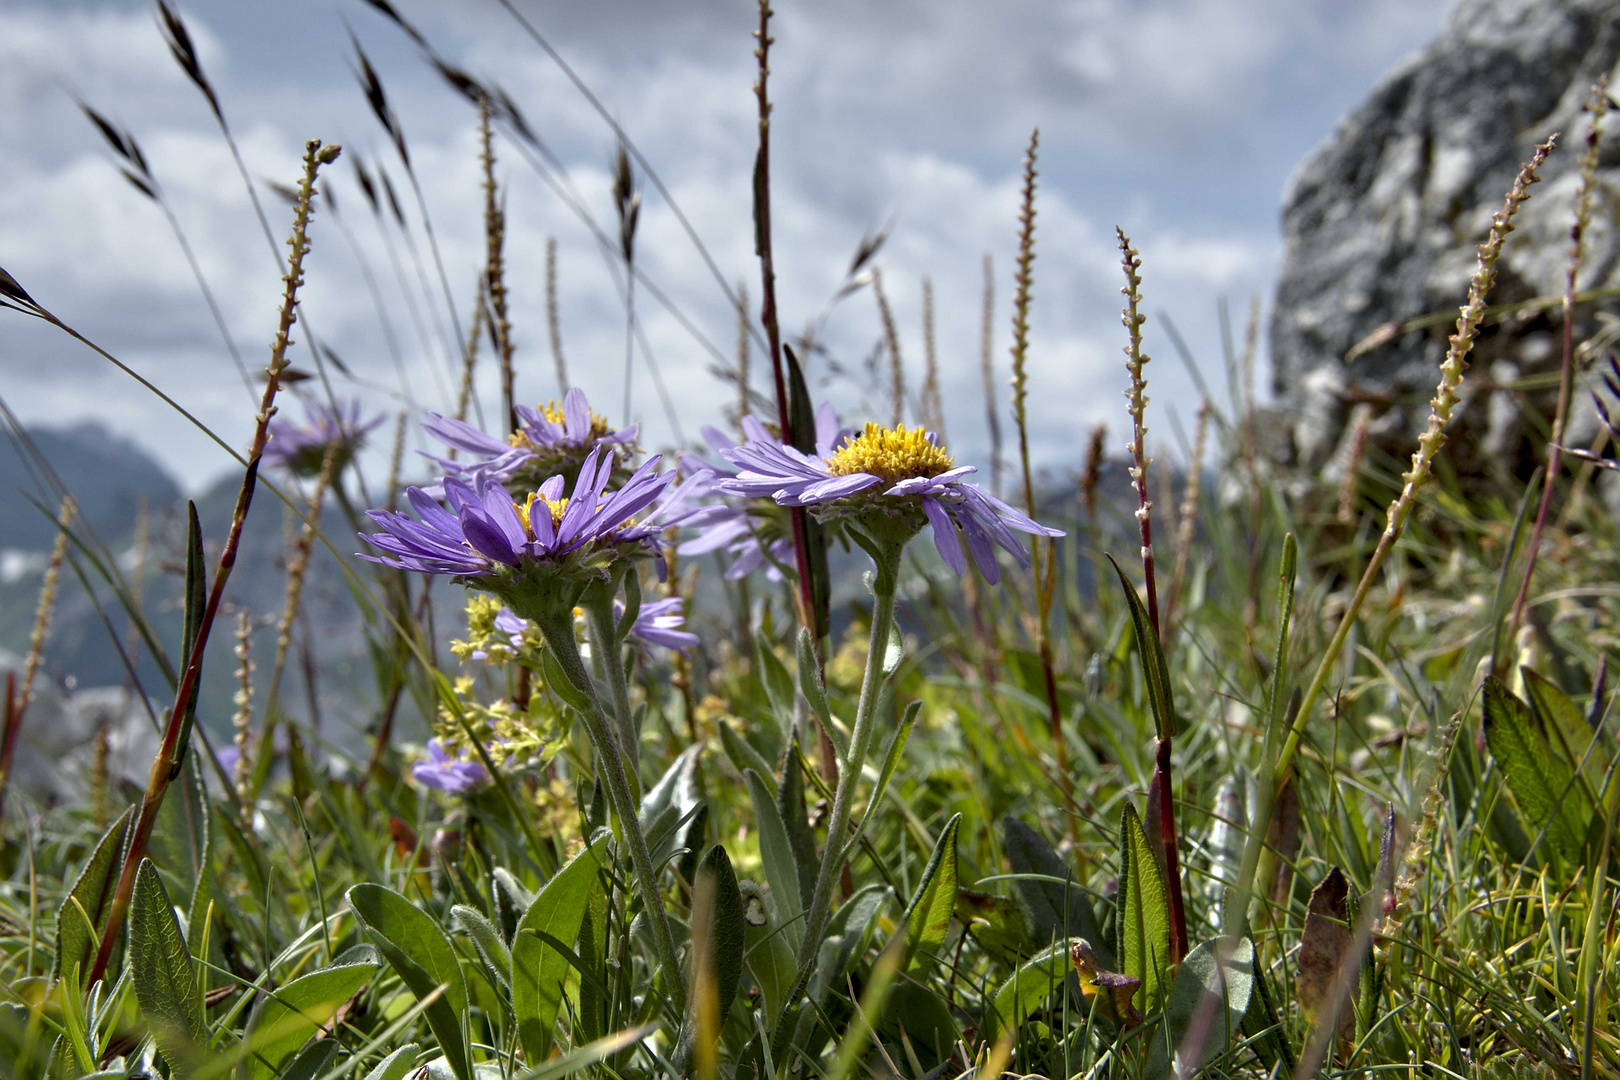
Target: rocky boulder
1382 221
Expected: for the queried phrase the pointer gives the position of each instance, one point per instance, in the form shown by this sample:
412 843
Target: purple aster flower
485 536
658 623
444 771
890 473
551 440
729 526
301 450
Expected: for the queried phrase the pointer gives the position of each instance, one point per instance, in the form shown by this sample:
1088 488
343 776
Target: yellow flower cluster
891 454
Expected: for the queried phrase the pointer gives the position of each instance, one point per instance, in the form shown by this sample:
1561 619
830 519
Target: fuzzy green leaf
397 1065
928 916
538 970
1541 781
165 986
1143 917
487 940
91 893
423 958
1205 1010
1028 989
283 1022
781 866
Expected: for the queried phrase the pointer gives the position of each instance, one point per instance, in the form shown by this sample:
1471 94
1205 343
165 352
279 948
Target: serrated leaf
538 970
1568 732
79 919
160 967
781 866
487 940
283 1022
1204 1012
1143 915
928 916
1155 671
421 955
1542 783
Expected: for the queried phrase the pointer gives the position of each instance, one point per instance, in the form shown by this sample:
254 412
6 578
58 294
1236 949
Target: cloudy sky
1179 119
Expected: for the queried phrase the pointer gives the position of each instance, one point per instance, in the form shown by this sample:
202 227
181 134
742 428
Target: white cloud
1165 116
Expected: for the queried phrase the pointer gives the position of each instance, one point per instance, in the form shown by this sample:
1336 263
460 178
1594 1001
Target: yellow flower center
554 412
891 454
524 509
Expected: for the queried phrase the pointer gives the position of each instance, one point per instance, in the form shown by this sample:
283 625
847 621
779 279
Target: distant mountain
106 473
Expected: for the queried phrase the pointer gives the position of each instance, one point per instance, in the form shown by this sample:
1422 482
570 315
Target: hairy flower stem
607 656
171 754
557 627
884 582
1433 438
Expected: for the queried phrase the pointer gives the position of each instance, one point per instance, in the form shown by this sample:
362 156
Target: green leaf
397 1065
283 1022
423 958
79 919
1143 914
1542 782
313 1062
160 966
538 970
796 819
717 880
778 683
912 1009
742 753
768 957
1155 671
585 1056
487 940
810 680
781 865
928 916
1568 732
559 683
891 761
1027 990
848 932
1055 909
1205 1010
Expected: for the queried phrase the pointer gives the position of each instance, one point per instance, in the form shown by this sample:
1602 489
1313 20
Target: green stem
607 654
860 742
558 630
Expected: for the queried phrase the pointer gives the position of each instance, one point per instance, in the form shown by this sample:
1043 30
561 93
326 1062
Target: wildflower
504 547
302 450
658 623
552 440
445 771
890 481
750 539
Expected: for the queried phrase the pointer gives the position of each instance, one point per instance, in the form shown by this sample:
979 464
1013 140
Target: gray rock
1382 221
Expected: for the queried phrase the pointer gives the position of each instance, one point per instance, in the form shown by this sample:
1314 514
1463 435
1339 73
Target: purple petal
946 540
